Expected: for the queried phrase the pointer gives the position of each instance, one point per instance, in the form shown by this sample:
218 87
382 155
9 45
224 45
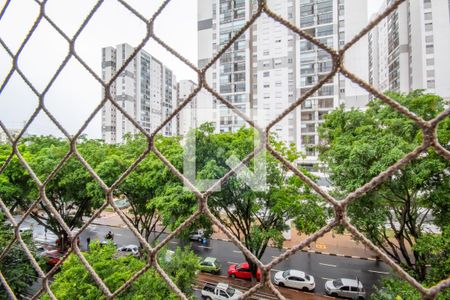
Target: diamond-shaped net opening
154 268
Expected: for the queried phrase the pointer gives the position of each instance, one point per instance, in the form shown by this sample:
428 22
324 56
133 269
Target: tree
70 191
256 218
15 265
155 194
74 280
362 144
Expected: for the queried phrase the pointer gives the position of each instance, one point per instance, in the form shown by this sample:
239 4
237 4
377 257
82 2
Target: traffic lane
321 267
318 265
263 293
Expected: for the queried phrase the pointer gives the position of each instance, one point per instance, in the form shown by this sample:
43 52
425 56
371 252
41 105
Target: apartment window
309 128
307 69
325 103
324 6
324 30
428 16
278 84
430 84
266 52
430 61
307 104
307 10
430 73
239 77
430 49
266 85
308 139
325 18
429 39
307 57
322 114
307 80
266 74
429 27
306 45
427 3
326 90
307 21
307 116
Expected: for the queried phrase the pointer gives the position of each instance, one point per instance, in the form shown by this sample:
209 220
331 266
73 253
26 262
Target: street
321 267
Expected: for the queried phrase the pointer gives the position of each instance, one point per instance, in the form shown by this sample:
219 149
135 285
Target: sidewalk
330 243
108 219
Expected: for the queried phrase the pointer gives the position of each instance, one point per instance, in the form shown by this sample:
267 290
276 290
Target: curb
323 253
116 226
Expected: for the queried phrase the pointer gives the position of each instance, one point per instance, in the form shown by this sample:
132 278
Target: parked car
210 265
122 203
25 229
52 257
295 279
242 271
221 291
198 235
168 255
344 287
129 250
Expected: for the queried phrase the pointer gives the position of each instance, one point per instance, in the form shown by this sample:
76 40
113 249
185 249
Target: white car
220 291
130 249
295 279
343 287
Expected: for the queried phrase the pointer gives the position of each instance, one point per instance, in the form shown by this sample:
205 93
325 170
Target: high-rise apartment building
146 90
269 66
196 112
408 50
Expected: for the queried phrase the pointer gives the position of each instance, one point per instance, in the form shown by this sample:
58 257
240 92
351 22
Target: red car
242 271
52 257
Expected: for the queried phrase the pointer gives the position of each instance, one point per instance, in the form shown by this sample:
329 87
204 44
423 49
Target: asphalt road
322 267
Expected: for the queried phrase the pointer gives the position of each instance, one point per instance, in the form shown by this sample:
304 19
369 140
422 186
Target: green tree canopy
257 218
15 265
75 282
362 144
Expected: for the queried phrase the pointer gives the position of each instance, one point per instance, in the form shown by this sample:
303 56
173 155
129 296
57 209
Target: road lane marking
328 265
237 251
205 247
325 278
275 270
378 272
173 242
231 263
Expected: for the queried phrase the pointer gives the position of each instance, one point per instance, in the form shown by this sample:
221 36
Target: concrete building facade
269 66
409 49
146 90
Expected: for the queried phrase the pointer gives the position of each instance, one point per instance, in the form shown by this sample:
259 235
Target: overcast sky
75 93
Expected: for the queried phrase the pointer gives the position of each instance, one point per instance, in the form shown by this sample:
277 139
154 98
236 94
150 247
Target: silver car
129 250
344 287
